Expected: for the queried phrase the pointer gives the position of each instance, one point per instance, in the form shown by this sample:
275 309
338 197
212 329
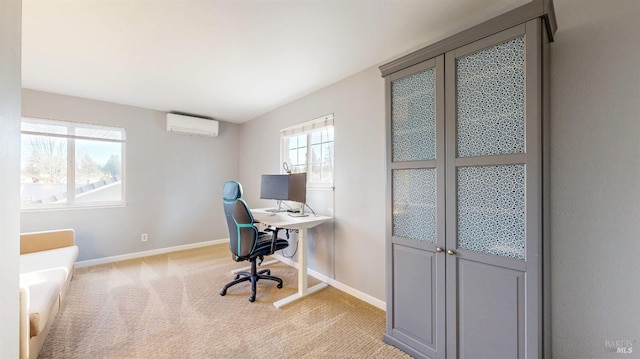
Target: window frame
71 127
307 128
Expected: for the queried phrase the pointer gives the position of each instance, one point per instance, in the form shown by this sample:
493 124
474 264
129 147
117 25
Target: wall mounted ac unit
191 125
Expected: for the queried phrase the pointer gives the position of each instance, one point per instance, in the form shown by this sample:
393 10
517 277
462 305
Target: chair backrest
243 234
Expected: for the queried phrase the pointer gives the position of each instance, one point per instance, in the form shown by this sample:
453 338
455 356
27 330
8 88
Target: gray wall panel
595 178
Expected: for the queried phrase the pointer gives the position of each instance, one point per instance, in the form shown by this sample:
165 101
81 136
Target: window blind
308 126
75 130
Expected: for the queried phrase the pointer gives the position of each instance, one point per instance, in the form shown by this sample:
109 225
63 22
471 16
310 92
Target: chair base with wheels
252 276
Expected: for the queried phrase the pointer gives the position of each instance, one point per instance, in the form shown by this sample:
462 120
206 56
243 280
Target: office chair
245 241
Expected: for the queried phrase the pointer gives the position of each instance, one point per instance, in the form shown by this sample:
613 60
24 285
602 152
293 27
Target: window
308 147
69 164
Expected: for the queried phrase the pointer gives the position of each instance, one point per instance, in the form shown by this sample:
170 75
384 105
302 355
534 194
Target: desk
283 220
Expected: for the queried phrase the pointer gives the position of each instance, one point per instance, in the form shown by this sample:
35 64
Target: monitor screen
286 187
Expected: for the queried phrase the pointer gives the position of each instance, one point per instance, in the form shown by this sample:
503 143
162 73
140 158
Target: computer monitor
284 187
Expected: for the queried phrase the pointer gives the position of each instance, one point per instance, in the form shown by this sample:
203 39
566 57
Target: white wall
173 181
595 177
10 40
358 107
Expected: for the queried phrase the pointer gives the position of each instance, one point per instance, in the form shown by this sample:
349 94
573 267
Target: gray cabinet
465 253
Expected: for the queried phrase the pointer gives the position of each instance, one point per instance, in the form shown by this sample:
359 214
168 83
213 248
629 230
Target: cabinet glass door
416 292
490 121
490 100
489 157
414 204
413 117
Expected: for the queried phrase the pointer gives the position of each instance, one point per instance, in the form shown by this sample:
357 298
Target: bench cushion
43 290
43 276
54 258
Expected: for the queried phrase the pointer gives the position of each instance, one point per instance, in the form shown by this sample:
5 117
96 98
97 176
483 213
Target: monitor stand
276 210
299 213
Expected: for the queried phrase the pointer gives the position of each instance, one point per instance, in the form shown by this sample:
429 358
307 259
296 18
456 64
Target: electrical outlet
144 237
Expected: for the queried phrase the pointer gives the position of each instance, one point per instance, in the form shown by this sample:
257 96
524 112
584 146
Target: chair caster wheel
252 299
279 285
223 292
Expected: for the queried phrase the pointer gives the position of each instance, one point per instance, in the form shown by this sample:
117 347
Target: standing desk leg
302 262
303 291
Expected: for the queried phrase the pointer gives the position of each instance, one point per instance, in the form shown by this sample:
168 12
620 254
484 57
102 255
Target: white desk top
284 220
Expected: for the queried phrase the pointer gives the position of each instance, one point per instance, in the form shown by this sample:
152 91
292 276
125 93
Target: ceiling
229 60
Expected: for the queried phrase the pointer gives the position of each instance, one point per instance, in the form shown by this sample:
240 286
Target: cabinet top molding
535 9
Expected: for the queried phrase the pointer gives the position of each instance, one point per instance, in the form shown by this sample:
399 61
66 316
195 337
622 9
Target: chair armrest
274 237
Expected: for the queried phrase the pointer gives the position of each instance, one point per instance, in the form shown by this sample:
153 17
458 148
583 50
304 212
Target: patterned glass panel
490 100
414 204
491 216
413 131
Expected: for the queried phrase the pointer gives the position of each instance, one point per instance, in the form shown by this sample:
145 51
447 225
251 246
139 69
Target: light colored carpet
168 306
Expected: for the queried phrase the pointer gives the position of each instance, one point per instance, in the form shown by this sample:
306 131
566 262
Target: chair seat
263 247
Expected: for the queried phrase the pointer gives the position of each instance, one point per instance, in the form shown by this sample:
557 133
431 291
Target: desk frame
283 220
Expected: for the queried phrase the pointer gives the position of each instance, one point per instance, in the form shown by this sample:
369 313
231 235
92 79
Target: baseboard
153 252
332 282
336 284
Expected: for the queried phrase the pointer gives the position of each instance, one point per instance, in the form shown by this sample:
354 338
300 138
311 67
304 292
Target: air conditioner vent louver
191 125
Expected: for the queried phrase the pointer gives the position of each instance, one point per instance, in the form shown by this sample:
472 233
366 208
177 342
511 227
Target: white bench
47 261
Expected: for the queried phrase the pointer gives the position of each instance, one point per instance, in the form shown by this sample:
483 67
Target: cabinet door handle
450 252
438 249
